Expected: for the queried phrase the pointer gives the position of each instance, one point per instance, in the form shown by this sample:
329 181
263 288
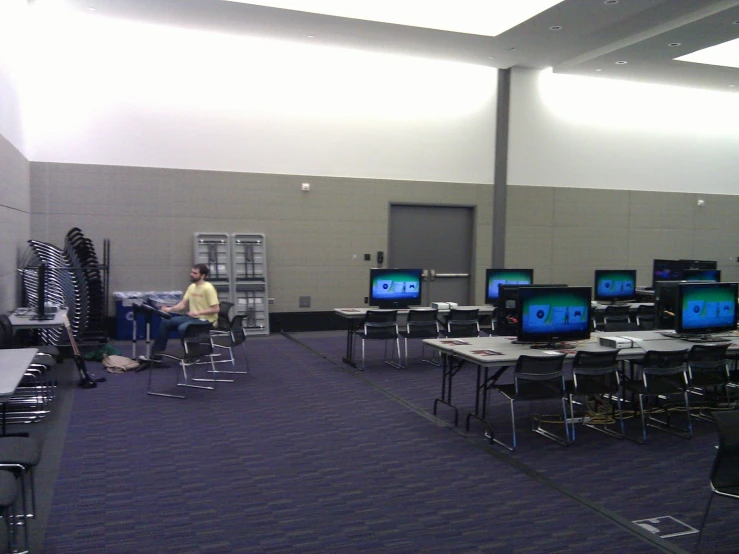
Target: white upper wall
104 91
12 22
596 133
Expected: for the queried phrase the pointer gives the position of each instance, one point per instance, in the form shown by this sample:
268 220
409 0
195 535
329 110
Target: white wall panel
180 98
569 131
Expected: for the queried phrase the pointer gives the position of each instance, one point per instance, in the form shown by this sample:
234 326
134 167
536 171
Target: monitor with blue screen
395 288
551 315
496 277
613 285
702 275
666 270
704 308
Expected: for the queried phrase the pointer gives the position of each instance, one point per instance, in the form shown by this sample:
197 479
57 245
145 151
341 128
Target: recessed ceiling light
621 62
92 8
491 57
555 28
599 69
511 49
611 2
736 22
673 44
732 86
311 36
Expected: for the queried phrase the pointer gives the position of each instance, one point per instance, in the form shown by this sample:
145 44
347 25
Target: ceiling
594 35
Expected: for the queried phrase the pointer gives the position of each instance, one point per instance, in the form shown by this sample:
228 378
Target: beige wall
150 216
566 233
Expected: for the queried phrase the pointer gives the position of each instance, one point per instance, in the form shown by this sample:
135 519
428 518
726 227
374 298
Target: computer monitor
395 288
666 270
506 315
612 285
496 277
702 275
549 316
706 308
698 264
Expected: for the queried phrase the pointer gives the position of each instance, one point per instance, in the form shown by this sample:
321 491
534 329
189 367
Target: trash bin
124 315
162 298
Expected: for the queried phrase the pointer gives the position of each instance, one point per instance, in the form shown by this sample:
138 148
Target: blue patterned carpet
307 455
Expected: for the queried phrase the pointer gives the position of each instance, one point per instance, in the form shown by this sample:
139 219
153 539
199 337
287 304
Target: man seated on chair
200 303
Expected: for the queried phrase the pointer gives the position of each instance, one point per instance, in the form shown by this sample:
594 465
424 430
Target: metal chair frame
597 374
536 373
381 325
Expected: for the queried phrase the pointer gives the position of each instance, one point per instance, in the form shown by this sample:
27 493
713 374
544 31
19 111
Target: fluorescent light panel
476 17
725 55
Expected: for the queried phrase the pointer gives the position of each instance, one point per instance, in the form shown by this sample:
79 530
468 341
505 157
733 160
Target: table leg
351 330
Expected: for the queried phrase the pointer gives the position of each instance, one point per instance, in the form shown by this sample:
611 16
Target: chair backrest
614 310
596 372
725 472
618 323
381 324
422 315
422 324
645 322
224 321
381 316
645 310
238 334
659 362
707 364
463 314
539 368
196 341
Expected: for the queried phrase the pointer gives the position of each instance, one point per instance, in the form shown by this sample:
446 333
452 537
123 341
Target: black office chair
462 323
614 310
196 346
21 456
536 378
8 497
663 376
595 375
708 375
645 319
381 325
228 340
421 324
725 471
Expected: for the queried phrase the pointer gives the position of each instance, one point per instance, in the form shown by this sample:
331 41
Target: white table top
13 364
360 312
499 351
29 321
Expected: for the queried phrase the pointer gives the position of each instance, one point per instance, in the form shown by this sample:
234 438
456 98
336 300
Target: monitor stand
545 345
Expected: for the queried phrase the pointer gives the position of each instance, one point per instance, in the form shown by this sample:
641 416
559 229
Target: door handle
451 275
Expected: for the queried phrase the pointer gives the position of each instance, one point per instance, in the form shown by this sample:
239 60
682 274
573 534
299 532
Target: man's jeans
179 322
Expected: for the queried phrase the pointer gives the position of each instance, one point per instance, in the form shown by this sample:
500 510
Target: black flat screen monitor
666 270
698 264
706 308
549 316
702 275
613 285
395 288
506 315
496 277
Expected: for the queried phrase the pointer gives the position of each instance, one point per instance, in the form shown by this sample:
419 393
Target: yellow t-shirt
201 298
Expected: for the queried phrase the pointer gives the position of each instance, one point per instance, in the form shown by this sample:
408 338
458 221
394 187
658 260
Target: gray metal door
439 240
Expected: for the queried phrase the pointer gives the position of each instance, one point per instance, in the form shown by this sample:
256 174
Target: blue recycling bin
124 302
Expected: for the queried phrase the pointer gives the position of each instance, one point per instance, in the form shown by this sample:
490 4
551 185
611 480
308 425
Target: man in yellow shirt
200 303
